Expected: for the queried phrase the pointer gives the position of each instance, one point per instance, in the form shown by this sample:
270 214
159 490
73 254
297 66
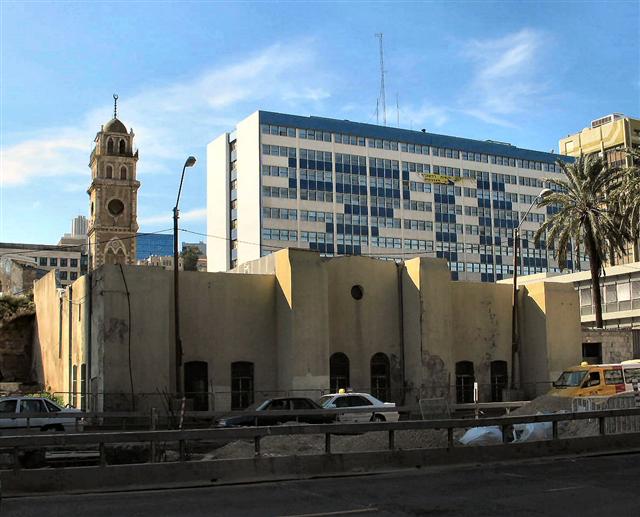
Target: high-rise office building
342 187
153 244
79 226
609 137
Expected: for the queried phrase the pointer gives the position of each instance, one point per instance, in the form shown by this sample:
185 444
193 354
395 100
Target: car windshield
324 400
570 379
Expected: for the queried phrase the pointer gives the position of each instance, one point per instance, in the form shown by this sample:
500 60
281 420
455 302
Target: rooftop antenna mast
382 98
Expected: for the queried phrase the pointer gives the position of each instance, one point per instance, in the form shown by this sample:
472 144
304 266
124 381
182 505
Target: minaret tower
113 195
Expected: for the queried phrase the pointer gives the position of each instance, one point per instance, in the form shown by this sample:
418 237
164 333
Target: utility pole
382 94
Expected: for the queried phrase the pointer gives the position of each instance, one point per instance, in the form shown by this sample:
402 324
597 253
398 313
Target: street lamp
515 337
176 308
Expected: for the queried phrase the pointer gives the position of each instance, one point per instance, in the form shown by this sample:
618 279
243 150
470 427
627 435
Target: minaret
113 195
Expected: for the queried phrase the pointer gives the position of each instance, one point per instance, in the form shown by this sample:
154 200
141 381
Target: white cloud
506 81
170 120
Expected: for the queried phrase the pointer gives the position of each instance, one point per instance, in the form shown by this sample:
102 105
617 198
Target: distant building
69 260
79 226
18 273
165 262
608 137
148 244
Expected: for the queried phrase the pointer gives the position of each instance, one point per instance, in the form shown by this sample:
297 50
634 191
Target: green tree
628 196
586 217
190 257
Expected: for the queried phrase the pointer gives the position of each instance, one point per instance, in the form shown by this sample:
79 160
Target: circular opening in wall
115 207
357 292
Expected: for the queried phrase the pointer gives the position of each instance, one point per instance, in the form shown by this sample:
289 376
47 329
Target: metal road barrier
16 444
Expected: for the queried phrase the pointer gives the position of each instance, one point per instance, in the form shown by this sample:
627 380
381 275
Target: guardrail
182 437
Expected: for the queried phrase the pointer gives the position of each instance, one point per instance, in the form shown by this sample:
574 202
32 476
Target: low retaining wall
218 472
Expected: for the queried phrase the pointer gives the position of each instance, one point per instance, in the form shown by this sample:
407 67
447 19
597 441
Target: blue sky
522 72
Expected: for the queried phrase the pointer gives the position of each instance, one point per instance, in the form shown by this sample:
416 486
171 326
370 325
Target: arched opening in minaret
122 147
109 171
110 145
115 257
123 173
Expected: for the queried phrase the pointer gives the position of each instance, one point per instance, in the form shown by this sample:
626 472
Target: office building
609 137
153 244
69 261
79 226
346 188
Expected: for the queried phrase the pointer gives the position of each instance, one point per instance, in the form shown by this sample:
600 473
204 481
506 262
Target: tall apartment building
608 136
342 187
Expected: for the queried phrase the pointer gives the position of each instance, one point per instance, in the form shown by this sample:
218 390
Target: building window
465 378
53 261
122 147
123 173
73 275
109 172
63 275
74 262
499 379
338 372
42 261
63 262
380 376
110 146
241 384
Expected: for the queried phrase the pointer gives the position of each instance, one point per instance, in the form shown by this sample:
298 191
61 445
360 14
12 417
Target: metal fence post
327 443
103 457
450 443
183 451
153 423
601 425
554 429
392 439
256 445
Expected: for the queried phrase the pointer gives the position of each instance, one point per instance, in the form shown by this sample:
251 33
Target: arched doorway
196 384
338 372
380 376
465 377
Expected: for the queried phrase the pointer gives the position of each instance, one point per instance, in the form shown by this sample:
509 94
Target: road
606 485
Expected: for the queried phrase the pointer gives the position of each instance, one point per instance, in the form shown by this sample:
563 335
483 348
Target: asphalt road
601 486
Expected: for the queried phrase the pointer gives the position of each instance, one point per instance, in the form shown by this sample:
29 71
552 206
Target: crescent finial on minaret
115 105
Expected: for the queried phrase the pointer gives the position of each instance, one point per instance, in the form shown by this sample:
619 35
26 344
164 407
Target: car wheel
378 418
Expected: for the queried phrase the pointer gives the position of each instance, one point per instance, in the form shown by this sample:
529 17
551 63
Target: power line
77 247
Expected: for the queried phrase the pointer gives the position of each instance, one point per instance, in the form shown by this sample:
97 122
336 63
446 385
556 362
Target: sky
522 72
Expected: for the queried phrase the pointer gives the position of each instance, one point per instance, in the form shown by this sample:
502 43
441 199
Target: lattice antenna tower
381 99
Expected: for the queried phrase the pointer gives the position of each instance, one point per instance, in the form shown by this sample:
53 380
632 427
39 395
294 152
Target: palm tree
628 196
586 217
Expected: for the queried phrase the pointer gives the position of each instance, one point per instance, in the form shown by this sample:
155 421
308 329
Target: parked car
269 413
359 400
12 407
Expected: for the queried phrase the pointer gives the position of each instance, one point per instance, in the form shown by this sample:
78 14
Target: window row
386 222
274 234
352 240
386 242
314 134
316 175
418 186
352 219
314 216
418 245
313 155
317 237
281 192
454 172
282 172
419 206
56 261
280 213
415 167
316 195
279 150
110 175
415 224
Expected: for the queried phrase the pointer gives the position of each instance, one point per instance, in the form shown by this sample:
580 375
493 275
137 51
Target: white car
359 400
11 407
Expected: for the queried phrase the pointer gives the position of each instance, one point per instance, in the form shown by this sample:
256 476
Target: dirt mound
544 404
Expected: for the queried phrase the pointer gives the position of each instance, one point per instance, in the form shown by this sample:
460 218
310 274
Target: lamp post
515 336
176 307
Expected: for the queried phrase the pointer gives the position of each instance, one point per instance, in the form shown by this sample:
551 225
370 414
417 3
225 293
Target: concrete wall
288 319
617 345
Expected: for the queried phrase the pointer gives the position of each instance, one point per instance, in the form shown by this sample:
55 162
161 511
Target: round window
357 292
115 207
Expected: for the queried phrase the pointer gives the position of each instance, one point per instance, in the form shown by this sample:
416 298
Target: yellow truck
589 380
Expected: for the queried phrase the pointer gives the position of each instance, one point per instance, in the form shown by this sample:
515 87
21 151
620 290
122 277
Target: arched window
465 378
241 384
122 147
196 384
499 379
109 172
113 256
123 173
380 376
338 372
110 146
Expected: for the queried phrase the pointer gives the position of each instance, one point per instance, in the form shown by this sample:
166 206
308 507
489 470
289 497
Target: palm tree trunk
595 266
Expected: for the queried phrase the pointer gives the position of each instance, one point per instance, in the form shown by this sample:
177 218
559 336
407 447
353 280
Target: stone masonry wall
16 336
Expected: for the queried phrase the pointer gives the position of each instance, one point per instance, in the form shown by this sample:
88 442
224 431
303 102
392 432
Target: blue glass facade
148 244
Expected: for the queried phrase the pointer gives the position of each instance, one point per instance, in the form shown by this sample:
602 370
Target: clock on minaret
113 195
